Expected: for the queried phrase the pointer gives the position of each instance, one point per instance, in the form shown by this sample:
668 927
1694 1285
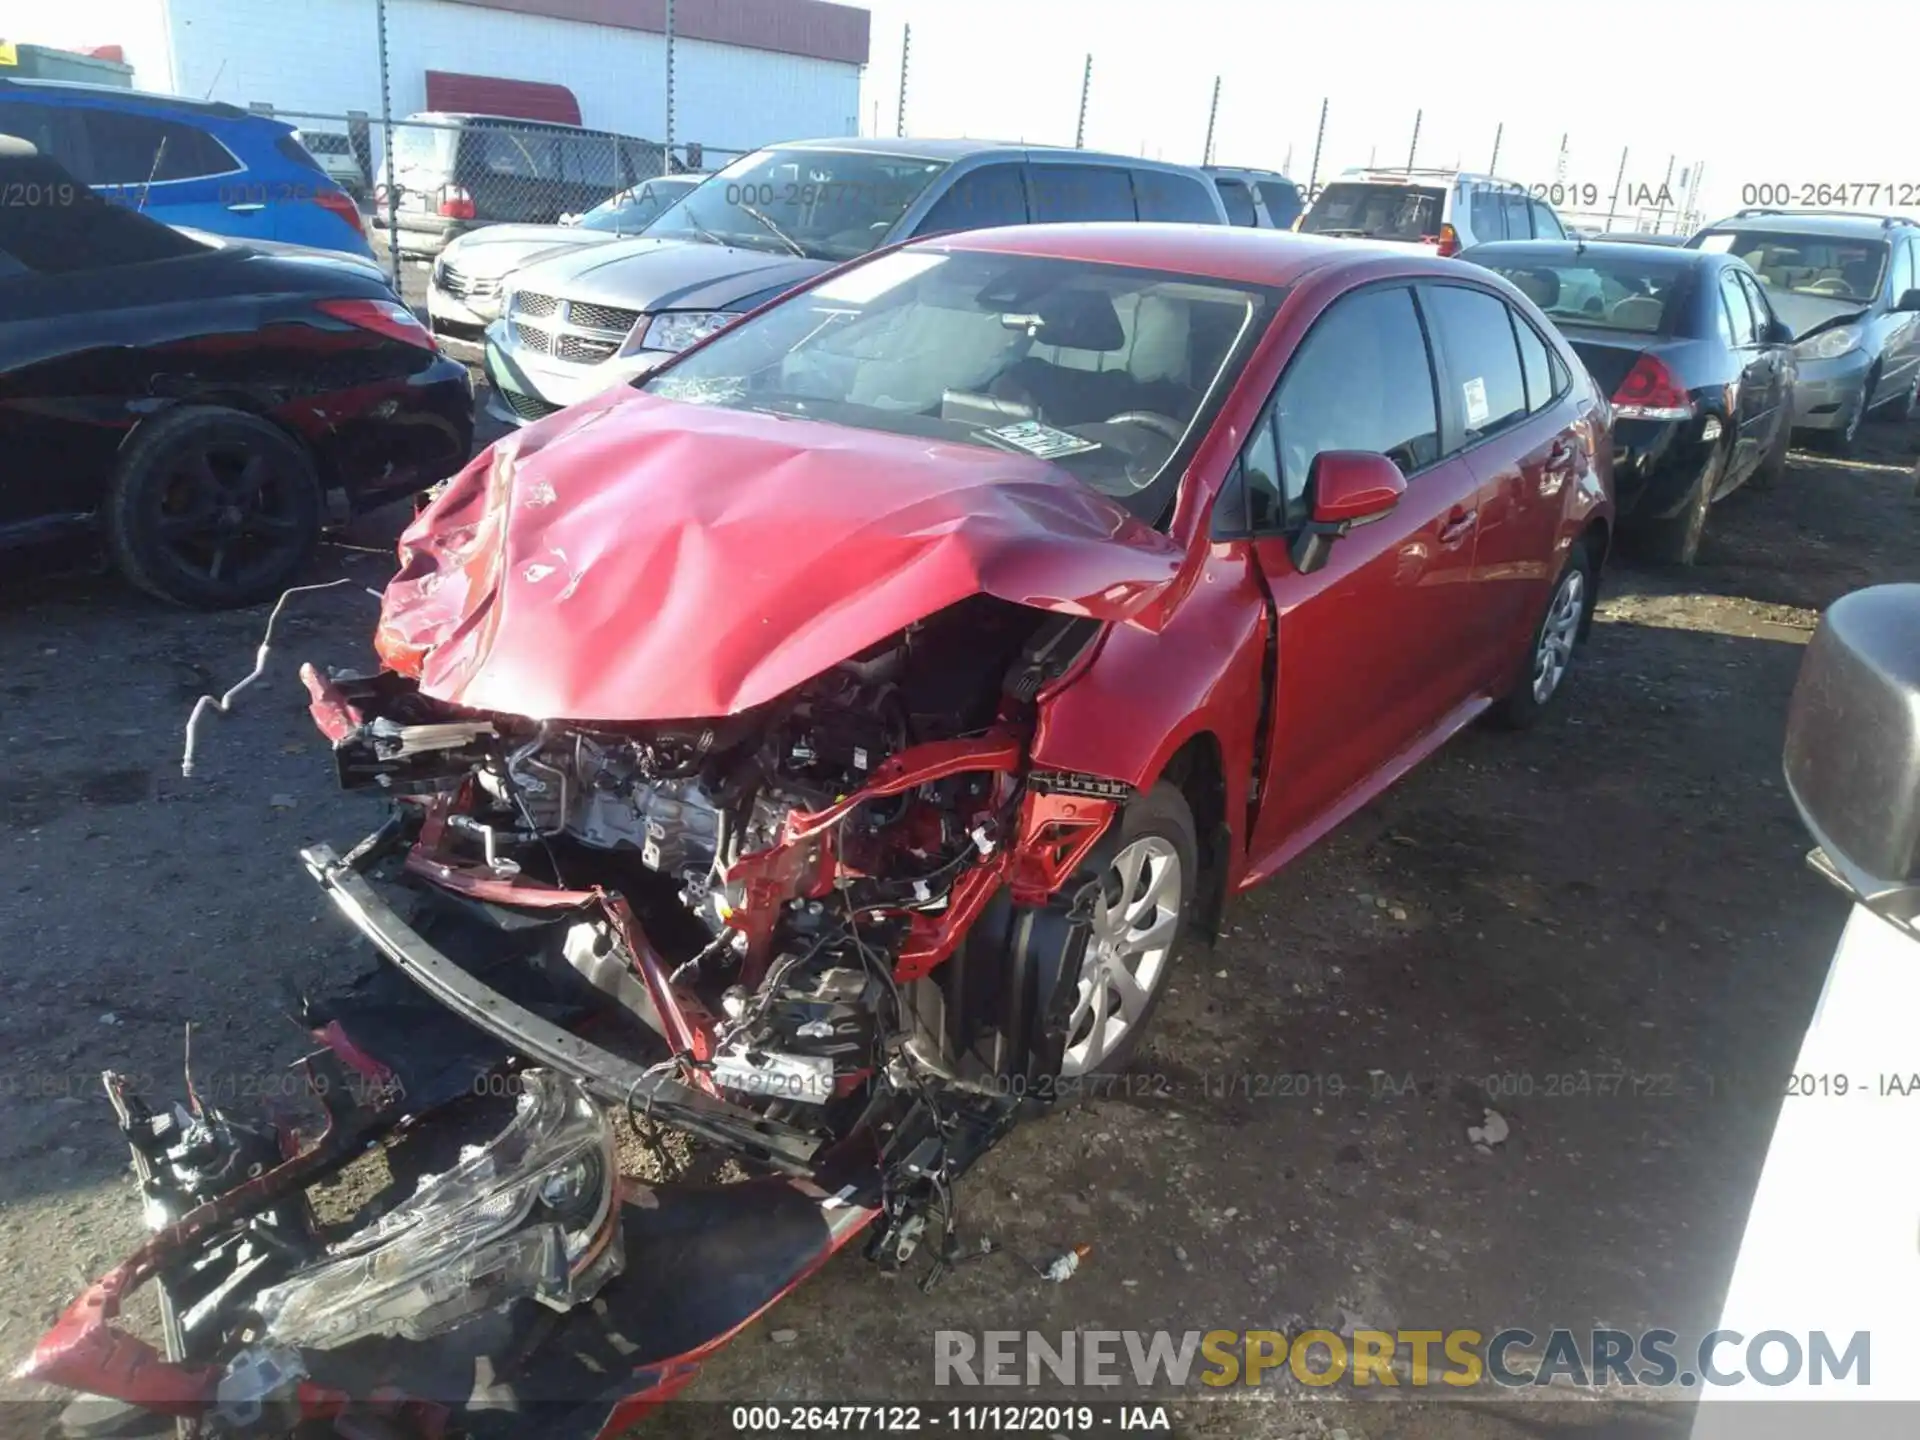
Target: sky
1758 100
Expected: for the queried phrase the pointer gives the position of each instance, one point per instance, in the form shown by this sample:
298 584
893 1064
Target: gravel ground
1620 891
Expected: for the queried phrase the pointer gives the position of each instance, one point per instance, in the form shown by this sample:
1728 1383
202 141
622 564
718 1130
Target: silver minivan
1849 285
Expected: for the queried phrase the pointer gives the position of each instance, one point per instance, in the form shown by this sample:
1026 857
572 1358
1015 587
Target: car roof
1667 257
915 148
1251 171
1239 254
1401 175
1853 226
85 90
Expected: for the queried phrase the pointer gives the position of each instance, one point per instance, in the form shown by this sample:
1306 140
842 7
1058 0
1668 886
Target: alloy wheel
1558 633
1129 948
228 511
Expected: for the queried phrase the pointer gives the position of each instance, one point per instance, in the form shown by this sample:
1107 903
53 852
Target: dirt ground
1619 892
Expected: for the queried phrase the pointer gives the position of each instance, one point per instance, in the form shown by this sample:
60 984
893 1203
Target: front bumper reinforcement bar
610 1077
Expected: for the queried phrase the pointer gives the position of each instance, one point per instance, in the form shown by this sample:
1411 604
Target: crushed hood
636 558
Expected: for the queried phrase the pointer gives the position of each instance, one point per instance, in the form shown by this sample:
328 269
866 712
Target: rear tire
1549 658
212 508
1675 540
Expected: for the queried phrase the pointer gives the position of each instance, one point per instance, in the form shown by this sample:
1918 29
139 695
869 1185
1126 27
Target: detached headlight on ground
1829 344
533 1214
675 330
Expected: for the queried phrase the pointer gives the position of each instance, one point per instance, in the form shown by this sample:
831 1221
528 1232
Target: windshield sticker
866 283
1043 440
1475 393
1718 244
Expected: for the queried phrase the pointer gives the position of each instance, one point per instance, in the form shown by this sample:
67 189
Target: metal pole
1693 196
1319 135
1287 164
1660 213
1493 165
666 148
1560 165
1213 112
1414 145
1086 84
906 45
386 145
1618 180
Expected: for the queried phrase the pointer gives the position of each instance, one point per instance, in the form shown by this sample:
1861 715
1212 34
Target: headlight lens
1830 344
533 1214
675 330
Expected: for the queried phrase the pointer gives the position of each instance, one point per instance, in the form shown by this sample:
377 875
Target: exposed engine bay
783 932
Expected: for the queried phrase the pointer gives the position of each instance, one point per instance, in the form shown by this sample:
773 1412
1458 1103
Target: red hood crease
646 559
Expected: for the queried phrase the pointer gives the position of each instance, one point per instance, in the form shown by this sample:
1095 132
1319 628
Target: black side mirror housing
1908 303
1779 333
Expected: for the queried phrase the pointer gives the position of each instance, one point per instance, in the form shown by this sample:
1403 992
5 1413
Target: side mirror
1781 333
1349 488
1908 303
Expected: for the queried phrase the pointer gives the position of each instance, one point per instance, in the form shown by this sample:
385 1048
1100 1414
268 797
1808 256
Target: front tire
1129 918
1555 639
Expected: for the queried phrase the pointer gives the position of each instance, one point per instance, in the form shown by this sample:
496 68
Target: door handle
246 209
1560 457
1458 525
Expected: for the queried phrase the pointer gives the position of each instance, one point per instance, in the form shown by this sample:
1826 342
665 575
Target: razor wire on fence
422 182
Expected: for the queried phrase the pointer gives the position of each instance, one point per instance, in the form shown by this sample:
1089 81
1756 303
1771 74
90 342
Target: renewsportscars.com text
1417 1359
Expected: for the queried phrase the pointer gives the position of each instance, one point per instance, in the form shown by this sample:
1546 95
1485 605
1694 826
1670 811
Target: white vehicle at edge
1439 211
1832 1242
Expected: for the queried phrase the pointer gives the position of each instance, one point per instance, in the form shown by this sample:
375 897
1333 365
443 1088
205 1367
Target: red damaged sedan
823 749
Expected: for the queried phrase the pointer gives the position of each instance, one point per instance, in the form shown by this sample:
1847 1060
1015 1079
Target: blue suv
199 164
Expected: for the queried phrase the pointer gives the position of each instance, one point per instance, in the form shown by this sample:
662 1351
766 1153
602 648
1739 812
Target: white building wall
138 27
322 56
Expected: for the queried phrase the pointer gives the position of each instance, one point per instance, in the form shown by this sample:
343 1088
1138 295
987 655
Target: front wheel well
1598 538
1197 770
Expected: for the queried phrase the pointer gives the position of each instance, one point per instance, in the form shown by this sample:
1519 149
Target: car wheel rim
1558 632
1129 945
229 513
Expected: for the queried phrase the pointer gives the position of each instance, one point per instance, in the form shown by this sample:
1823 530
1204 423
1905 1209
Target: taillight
339 203
1449 240
383 317
1651 393
456 203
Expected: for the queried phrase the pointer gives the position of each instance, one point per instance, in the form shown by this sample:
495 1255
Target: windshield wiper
774 230
705 234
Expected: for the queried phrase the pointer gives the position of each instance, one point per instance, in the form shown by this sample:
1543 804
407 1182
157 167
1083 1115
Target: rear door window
1483 359
1534 365
1081 192
1377 212
127 149
1519 217
1746 330
1362 380
979 200
1239 202
1282 199
1175 199
1546 225
518 154
1485 215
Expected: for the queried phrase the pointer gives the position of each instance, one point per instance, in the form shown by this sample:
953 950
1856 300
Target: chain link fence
423 183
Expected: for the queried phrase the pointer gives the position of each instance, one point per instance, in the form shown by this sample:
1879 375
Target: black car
193 402
1700 369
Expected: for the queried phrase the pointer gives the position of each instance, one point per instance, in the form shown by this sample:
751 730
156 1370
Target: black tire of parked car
201 481
1675 539
1518 709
